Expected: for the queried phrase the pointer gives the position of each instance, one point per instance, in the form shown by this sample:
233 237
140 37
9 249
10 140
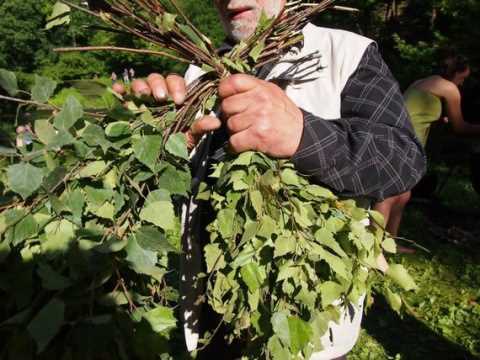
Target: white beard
241 29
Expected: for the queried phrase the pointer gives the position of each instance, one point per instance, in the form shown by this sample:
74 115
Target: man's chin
241 33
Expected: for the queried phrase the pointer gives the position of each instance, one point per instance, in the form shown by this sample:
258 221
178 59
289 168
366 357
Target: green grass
445 319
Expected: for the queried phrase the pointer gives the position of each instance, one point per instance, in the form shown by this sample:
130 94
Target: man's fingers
118 88
241 122
237 104
200 127
204 125
176 88
158 86
242 141
236 84
140 87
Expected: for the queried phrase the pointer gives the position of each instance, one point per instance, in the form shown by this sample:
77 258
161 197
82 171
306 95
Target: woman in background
427 99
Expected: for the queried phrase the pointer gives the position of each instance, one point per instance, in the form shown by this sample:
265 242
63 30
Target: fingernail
178 98
159 94
141 92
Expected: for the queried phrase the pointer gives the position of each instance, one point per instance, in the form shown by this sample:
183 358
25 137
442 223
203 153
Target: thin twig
28 102
124 49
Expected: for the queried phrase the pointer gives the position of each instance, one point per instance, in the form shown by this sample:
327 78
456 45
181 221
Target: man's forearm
372 149
356 158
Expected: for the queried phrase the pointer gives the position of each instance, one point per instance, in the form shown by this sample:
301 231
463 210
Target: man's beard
243 28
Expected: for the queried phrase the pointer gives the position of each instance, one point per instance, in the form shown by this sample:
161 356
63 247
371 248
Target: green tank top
424 109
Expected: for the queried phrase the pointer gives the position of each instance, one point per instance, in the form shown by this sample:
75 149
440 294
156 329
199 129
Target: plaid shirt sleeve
371 150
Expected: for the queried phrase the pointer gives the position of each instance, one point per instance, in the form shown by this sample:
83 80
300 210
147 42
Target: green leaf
280 327
43 89
212 100
389 245
244 158
257 50
237 66
59 236
119 112
118 128
54 178
97 197
277 350
319 324
25 229
264 22
161 319
92 169
290 177
94 136
8 81
47 323
10 217
326 238
319 191
115 299
166 22
177 146
174 181
330 291
106 211
52 280
300 333
394 300
44 131
284 245
244 257
110 179
147 150
61 139
257 201
60 16
253 276
158 195
71 112
337 265
214 257
75 202
268 226
400 275
225 220
377 218
139 257
24 178
159 213
112 245
149 238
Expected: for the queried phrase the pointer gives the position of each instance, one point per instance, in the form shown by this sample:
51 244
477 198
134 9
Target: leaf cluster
286 257
91 221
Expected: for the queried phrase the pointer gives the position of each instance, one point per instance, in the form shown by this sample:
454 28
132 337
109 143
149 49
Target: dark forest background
409 32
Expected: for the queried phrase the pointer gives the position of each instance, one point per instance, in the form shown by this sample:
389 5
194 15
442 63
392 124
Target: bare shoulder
438 86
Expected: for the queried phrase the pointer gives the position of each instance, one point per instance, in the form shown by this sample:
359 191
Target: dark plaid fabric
371 150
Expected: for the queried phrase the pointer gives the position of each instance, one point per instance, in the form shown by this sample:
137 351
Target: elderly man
346 127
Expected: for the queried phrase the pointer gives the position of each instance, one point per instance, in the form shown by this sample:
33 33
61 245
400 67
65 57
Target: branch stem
116 48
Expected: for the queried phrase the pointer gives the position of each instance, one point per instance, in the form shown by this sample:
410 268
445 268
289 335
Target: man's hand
159 87
173 86
260 116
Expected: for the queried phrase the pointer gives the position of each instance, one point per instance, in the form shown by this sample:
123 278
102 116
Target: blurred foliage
409 33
